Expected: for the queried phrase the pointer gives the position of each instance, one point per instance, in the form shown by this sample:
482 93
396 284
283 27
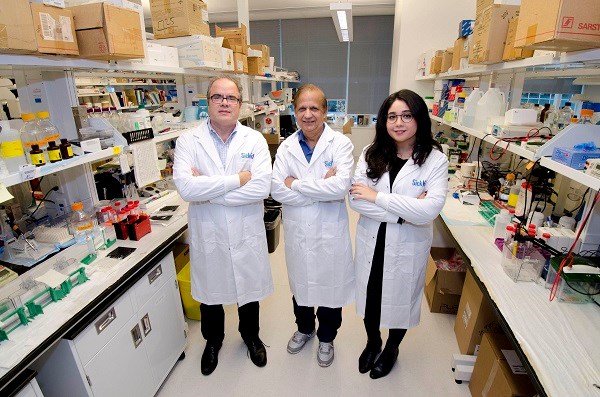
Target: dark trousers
373 304
213 322
330 320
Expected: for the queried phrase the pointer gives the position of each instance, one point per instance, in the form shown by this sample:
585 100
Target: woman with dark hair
399 188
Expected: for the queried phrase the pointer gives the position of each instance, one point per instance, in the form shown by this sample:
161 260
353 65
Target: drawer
103 328
152 281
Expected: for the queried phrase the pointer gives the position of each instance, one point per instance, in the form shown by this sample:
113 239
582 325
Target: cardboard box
240 63
483 4
17 34
196 51
227 59
256 66
461 50
177 18
436 64
54 3
108 32
272 139
447 60
54 30
442 287
159 55
475 317
489 34
498 372
510 52
235 39
563 25
266 52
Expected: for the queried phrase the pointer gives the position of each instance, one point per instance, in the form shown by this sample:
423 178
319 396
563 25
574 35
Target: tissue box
574 158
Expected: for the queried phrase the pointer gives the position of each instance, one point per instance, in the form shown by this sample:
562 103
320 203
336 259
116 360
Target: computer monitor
287 125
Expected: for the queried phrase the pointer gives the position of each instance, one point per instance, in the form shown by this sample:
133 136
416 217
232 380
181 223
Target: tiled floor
422 369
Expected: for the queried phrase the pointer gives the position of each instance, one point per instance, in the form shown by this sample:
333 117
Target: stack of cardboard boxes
236 40
183 24
109 30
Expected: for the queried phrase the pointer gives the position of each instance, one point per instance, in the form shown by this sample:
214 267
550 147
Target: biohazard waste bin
191 307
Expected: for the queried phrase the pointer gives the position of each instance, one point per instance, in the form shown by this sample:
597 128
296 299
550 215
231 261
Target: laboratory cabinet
31 389
129 349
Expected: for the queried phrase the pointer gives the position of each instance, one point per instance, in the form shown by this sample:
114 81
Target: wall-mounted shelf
15 178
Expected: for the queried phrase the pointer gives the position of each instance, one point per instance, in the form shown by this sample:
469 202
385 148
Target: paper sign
513 360
4 194
52 278
28 172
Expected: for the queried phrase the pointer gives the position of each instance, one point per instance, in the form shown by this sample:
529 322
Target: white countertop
560 340
103 273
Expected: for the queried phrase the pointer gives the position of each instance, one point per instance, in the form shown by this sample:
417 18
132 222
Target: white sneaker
325 354
297 341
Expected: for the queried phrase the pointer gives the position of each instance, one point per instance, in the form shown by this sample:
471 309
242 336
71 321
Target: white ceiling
226 10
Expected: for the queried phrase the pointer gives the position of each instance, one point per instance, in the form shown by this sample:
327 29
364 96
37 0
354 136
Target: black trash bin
272 220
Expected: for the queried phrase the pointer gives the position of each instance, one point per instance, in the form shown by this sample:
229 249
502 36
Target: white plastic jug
467 115
492 103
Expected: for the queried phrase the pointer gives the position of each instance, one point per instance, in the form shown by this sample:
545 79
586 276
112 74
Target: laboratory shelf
571 173
16 178
167 136
509 146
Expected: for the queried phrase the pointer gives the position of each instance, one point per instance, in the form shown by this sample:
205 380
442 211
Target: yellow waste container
191 307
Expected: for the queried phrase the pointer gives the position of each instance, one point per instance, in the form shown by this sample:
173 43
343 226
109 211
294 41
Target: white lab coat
318 249
228 252
406 245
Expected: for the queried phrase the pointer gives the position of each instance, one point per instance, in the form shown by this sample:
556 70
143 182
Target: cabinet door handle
154 274
105 320
136 334
146 326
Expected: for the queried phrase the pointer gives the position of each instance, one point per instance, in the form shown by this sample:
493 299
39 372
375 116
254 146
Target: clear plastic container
467 117
79 222
564 116
491 104
49 130
31 134
11 147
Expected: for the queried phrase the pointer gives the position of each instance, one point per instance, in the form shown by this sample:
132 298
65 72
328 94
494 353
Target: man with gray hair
223 169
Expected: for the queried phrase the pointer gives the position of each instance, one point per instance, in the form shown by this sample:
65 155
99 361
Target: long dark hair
382 152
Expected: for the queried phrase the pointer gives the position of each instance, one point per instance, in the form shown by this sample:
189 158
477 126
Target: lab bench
557 342
121 291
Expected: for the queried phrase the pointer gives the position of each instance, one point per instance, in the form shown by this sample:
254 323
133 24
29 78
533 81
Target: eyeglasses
218 98
405 117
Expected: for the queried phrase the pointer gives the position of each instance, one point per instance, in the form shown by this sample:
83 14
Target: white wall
422 25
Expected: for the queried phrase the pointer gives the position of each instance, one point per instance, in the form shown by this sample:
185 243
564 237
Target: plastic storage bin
576 285
526 265
191 307
272 220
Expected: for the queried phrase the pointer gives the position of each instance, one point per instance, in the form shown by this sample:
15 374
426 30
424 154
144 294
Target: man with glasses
223 169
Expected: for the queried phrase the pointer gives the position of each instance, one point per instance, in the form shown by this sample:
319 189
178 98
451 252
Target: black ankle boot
366 361
384 363
257 352
210 358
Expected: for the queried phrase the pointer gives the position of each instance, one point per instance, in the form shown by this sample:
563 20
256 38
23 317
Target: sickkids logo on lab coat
328 164
419 183
247 155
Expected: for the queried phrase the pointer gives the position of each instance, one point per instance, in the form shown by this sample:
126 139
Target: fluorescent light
342 19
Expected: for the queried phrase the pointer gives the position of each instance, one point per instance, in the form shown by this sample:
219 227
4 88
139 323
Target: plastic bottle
492 103
142 118
513 195
11 148
79 222
509 182
502 220
66 150
564 116
31 135
538 109
49 130
524 200
53 152
551 118
470 107
37 156
586 116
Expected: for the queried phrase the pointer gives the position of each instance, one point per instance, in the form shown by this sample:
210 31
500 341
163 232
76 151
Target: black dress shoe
384 364
366 361
257 352
210 358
